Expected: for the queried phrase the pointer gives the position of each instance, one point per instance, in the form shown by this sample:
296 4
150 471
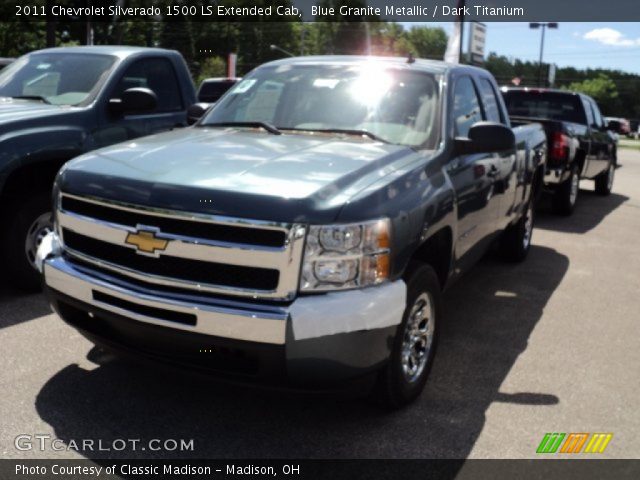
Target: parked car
211 89
620 126
58 103
634 126
579 143
303 231
4 61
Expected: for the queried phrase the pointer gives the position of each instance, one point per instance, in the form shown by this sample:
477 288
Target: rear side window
597 116
466 107
490 101
158 75
589 112
545 105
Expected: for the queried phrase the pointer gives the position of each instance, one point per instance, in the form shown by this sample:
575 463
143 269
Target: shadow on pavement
590 210
17 306
490 315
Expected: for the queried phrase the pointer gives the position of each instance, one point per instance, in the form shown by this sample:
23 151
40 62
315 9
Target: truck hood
237 172
15 110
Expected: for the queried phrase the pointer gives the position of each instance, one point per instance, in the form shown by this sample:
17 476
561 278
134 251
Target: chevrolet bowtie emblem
146 242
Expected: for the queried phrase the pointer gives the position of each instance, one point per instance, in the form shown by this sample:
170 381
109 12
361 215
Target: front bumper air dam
323 338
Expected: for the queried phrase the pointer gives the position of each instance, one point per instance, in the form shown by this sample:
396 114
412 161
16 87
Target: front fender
419 200
29 146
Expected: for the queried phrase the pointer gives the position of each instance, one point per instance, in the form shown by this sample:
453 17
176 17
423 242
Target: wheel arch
437 251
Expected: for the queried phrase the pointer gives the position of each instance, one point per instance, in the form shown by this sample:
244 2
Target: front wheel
604 181
28 224
405 375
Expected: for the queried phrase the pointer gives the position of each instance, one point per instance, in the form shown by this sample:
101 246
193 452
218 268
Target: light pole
543 25
276 47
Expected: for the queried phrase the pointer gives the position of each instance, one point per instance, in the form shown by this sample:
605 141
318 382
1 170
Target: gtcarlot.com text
45 442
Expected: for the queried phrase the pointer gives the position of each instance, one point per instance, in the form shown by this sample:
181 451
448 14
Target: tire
26 225
565 198
405 375
604 181
516 239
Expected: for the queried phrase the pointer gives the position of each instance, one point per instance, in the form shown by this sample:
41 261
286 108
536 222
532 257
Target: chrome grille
204 253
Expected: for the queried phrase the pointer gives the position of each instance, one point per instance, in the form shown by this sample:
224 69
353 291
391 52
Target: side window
596 114
489 100
158 75
466 107
588 111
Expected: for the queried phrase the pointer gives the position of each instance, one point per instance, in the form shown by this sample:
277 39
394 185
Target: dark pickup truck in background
56 104
304 229
211 89
579 142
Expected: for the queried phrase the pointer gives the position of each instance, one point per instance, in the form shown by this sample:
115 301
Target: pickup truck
211 89
302 232
58 103
579 142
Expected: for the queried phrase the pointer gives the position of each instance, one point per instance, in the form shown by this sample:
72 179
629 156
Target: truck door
473 179
505 167
158 75
601 143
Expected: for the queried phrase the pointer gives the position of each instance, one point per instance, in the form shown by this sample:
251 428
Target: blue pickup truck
304 229
58 103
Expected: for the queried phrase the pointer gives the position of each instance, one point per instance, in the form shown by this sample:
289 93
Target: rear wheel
565 198
28 224
404 377
604 181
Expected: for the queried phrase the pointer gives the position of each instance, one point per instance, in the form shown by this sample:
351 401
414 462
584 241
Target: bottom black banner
321 469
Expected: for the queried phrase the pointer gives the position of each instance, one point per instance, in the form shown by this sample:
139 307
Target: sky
581 45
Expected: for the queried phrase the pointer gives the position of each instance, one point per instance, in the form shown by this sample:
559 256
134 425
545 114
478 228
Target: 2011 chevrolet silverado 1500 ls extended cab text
579 142
58 103
304 229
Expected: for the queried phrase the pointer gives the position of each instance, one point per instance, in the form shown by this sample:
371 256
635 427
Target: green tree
601 88
427 42
212 67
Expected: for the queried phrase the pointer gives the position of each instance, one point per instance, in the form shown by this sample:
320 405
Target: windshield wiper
345 131
32 97
264 125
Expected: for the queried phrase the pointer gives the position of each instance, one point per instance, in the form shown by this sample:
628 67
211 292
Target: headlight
338 257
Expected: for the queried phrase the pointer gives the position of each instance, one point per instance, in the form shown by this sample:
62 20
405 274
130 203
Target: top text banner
327 11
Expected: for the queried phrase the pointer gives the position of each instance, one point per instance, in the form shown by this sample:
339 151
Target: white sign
477 37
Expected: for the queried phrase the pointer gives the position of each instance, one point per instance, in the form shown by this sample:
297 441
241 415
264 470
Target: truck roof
432 66
538 89
120 51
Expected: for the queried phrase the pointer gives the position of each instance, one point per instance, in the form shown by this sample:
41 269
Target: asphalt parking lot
550 345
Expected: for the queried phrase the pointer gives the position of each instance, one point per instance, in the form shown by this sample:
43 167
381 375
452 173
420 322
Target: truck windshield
57 78
392 105
565 107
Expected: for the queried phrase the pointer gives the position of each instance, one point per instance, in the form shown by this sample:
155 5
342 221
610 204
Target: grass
628 143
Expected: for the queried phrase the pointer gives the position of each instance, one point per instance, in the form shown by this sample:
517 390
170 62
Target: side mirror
196 111
486 137
134 100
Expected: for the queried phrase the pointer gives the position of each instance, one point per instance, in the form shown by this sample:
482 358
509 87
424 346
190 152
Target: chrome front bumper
310 317
210 319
